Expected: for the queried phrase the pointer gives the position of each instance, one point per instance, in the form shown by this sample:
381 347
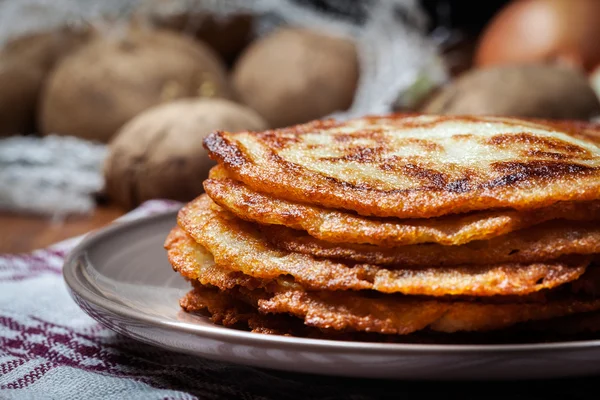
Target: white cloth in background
54 175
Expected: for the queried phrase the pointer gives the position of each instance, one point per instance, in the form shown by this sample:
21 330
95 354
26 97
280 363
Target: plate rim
230 335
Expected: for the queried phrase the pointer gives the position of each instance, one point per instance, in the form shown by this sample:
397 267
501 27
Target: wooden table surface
24 233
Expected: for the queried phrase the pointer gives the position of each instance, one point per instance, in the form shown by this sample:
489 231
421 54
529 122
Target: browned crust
523 185
394 316
239 247
223 308
544 242
365 312
344 227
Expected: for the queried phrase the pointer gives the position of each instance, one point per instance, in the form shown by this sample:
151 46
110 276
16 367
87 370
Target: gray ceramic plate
121 277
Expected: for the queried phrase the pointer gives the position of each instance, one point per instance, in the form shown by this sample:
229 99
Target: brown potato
159 153
44 49
20 83
539 91
296 75
24 64
95 91
226 35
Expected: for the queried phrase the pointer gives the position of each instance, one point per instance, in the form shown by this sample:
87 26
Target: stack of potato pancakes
381 227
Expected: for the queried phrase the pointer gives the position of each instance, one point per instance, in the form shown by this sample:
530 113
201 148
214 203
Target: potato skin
25 62
295 75
95 91
20 83
45 49
537 91
159 153
228 36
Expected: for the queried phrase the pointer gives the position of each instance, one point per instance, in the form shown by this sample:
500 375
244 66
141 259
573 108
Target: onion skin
551 31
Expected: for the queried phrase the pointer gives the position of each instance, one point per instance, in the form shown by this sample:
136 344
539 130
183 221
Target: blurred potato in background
159 153
533 90
25 63
296 75
96 90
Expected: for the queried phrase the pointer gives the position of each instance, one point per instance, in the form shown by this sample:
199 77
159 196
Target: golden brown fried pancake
196 263
544 242
414 166
585 130
238 246
224 309
393 315
344 227
360 311
186 256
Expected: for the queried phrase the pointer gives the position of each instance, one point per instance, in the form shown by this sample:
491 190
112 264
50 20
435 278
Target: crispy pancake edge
269 173
223 308
545 242
344 227
360 311
254 256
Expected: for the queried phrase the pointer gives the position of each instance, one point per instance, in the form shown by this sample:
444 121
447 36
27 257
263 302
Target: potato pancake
240 247
398 228
345 227
391 315
363 310
414 166
224 308
544 242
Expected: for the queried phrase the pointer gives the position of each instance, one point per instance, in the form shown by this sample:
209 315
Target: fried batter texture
337 226
414 166
226 309
241 247
398 228
544 242
362 311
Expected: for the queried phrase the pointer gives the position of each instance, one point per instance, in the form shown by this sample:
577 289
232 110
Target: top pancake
415 166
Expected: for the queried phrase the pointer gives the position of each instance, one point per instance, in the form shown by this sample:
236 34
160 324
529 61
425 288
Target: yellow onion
562 31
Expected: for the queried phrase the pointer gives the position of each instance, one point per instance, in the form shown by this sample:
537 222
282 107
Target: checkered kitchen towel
50 349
